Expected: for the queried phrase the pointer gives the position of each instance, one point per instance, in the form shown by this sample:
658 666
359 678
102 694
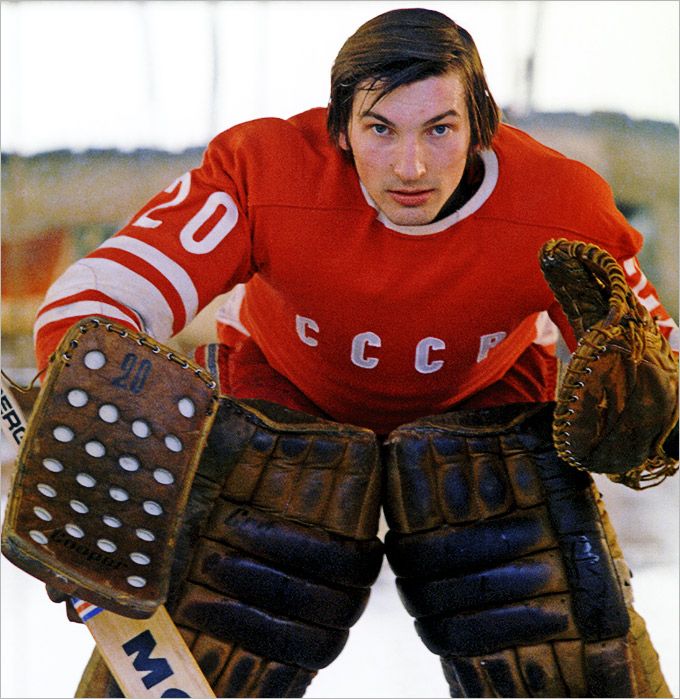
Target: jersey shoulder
307 128
541 186
285 161
521 152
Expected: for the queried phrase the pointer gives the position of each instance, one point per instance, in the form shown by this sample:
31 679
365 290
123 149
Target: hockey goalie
398 266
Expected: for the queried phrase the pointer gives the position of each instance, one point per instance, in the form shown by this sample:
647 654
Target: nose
409 163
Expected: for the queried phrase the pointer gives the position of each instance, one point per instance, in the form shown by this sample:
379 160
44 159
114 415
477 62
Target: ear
343 142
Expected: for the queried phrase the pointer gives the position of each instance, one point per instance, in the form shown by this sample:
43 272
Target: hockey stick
125 644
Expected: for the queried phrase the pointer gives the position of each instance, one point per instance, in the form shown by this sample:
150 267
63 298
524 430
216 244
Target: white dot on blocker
111 521
152 508
109 413
118 494
63 434
140 558
95 449
43 514
141 429
145 535
129 463
79 507
77 398
53 465
106 545
38 537
163 476
86 480
75 531
136 581
94 360
186 407
47 490
173 443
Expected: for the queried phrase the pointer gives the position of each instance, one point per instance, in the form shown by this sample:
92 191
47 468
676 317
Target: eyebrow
429 122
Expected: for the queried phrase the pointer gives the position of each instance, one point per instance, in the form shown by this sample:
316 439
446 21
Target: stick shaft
147 657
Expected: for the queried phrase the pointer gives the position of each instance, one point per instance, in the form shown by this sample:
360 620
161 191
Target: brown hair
401 47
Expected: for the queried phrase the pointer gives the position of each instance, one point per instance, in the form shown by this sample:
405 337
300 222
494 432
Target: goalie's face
411 146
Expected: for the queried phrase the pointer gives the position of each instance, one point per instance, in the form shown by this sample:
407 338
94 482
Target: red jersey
376 325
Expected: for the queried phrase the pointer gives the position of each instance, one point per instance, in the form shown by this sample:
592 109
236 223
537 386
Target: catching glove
618 400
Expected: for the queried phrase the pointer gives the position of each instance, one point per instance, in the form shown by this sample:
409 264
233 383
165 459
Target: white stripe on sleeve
229 313
83 308
123 285
649 302
674 339
631 267
173 272
673 335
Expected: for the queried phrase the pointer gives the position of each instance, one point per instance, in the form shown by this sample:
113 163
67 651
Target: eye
440 129
379 129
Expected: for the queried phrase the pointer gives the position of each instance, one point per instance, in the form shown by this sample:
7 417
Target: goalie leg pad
507 561
281 564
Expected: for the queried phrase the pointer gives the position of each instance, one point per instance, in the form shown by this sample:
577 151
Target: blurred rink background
105 103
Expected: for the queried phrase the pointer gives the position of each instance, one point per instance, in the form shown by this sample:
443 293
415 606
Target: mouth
410 197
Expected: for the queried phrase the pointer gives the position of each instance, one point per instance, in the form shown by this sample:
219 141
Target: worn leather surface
506 559
279 547
618 400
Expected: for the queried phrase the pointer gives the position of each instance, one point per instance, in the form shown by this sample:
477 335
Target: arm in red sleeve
189 244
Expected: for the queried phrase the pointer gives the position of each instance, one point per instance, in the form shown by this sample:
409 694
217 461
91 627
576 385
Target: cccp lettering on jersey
364 346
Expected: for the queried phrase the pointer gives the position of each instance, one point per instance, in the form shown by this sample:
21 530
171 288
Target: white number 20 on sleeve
214 236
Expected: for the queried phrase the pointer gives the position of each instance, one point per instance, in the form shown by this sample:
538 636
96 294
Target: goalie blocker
105 468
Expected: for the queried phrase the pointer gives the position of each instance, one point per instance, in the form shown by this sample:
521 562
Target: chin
409 217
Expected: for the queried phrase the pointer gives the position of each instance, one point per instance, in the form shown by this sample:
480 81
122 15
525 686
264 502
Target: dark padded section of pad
267 587
312 471
489 630
235 672
443 469
608 669
280 547
454 551
269 636
296 547
502 557
527 671
597 598
520 579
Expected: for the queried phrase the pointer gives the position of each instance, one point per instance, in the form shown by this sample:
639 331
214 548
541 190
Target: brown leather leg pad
505 557
279 564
